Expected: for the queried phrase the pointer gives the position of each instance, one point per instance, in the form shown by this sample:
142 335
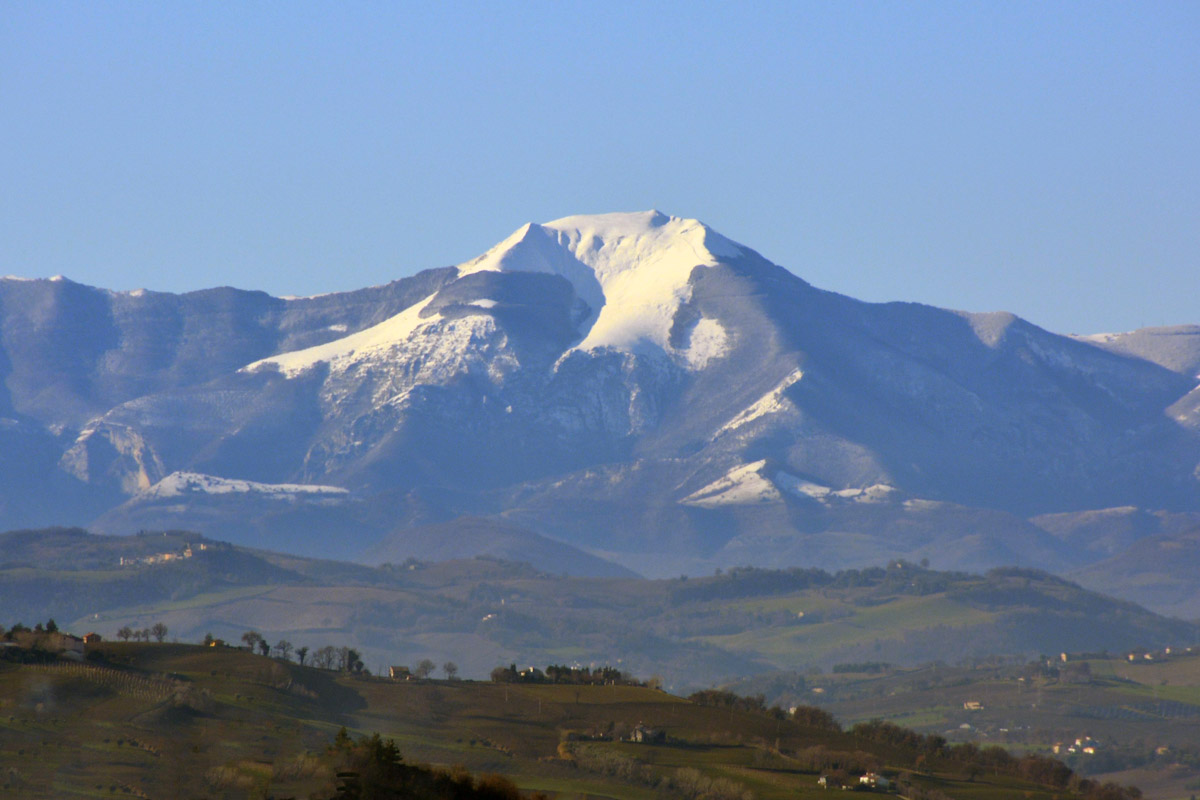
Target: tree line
341 659
158 631
556 673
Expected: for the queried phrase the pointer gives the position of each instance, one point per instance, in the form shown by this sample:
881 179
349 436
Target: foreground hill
482 612
631 387
189 721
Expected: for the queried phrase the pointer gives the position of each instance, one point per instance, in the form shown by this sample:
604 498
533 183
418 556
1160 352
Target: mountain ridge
594 380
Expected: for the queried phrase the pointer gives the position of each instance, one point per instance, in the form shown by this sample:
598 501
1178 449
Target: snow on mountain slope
750 484
876 493
772 402
740 486
631 269
181 484
1176 347
366 343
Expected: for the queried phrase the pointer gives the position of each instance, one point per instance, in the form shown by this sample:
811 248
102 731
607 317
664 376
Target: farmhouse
55 642
400 673
874 780
161 558
646 735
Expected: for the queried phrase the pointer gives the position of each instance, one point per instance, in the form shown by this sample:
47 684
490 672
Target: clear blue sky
1036 157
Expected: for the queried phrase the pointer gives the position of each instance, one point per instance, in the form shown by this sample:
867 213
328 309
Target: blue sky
1034 157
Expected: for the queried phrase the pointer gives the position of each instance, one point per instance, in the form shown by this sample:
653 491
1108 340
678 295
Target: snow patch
707 343
876 493
339 327
800 487
990 327
1099 338
772 402
17 278
182 483
392 331
484 303
744 485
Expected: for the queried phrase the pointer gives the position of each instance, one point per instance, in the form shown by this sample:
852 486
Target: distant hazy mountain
632 387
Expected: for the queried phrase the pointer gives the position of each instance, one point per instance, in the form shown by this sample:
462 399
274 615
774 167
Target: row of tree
810 716
425 668
556 673
342 659
157 631
50 627
346 659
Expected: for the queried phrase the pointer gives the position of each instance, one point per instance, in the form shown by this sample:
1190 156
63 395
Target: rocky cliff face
633 385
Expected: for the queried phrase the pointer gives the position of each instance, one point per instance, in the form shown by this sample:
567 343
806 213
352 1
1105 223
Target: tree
424 667
251 638
208 639
145 634
158 631
125 633
301 652
325 657
349 660
51 626
283 649
264 647
451 670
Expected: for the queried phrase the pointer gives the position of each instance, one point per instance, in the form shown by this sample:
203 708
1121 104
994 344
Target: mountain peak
632 269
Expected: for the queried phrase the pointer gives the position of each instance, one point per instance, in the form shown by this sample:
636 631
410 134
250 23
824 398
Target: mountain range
602 395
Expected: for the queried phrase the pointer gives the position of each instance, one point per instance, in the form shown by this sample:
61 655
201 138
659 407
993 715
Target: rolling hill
482 612
163 720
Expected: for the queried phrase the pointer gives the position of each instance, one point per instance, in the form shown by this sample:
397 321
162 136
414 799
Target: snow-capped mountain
635 386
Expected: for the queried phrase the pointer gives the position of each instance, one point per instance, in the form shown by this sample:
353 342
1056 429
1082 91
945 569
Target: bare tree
325 657
158 631
251 638
451 670
125 633
264 647
301 653
424 668
283 649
